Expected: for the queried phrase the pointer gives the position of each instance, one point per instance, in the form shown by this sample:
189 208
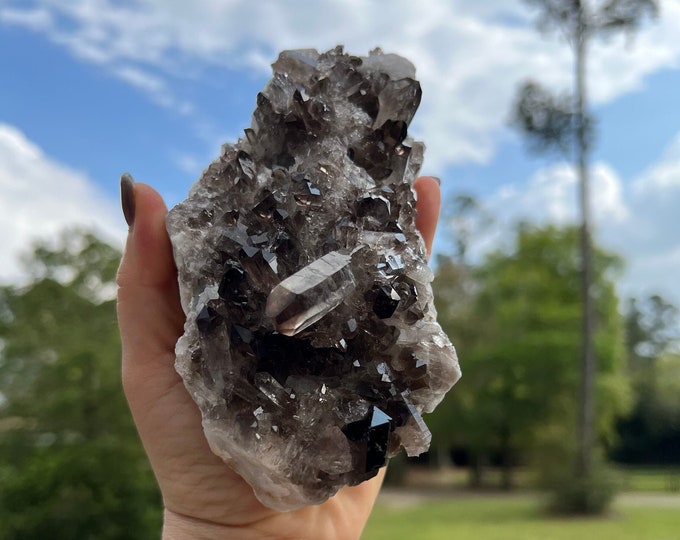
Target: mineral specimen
311 344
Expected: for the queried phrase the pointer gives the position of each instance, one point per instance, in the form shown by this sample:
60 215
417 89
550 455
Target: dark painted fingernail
127 198
437 179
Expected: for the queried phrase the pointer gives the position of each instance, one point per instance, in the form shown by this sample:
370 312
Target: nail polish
127 198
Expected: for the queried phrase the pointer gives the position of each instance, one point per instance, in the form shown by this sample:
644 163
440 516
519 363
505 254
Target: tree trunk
443 457
586 420
507 476
476 472
507 479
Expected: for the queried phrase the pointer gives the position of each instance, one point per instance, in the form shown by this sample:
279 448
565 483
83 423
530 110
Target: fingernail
127 198
437 179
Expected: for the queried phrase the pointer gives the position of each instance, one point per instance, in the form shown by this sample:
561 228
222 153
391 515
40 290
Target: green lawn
651 480
516 518
640 479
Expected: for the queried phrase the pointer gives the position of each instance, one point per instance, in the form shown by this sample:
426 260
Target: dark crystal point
232 284
308 195
378 436
240 336
370 436
311 346
266 207
398 412
386 302
207 319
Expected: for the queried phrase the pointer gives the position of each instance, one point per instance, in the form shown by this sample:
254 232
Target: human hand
203 497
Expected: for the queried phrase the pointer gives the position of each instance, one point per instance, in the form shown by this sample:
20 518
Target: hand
203 497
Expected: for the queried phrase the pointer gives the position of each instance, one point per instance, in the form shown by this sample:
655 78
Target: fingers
428 205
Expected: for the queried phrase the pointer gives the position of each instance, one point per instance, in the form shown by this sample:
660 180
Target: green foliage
577 16
668 388
90 490
626 15
454 294
590 495
73 466
652 326
78 259
516 322
547 121
651 433
396 470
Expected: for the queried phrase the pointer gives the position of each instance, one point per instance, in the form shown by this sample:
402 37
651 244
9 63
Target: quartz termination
311 344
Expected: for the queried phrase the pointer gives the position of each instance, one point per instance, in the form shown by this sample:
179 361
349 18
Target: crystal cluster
311 344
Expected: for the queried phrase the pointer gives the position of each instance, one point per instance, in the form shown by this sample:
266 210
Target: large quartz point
311 344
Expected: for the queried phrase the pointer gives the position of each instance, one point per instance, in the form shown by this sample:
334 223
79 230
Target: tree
465 218
517 328
454 295
652 327
564 124
651 433
454 289
72 464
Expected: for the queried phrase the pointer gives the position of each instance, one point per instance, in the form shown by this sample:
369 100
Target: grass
651 480
638 479
516 518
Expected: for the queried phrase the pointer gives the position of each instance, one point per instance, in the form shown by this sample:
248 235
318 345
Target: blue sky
92 88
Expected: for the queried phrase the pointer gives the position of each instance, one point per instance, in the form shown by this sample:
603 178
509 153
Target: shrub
592 495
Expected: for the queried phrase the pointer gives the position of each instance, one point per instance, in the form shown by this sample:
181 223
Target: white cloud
40 197
620 64
654 232
551 196
470 54
153 85
655 273
664 175
38 19
638 220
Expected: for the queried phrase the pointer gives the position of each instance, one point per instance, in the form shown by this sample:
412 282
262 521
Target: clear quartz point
308 295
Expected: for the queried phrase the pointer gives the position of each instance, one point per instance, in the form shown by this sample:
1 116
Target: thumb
149 312
147 261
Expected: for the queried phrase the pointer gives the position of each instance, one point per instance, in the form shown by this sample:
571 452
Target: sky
92 88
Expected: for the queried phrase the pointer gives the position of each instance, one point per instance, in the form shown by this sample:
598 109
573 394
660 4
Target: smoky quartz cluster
311 344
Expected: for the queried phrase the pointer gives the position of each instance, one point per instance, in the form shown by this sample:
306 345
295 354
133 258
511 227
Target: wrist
179 527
